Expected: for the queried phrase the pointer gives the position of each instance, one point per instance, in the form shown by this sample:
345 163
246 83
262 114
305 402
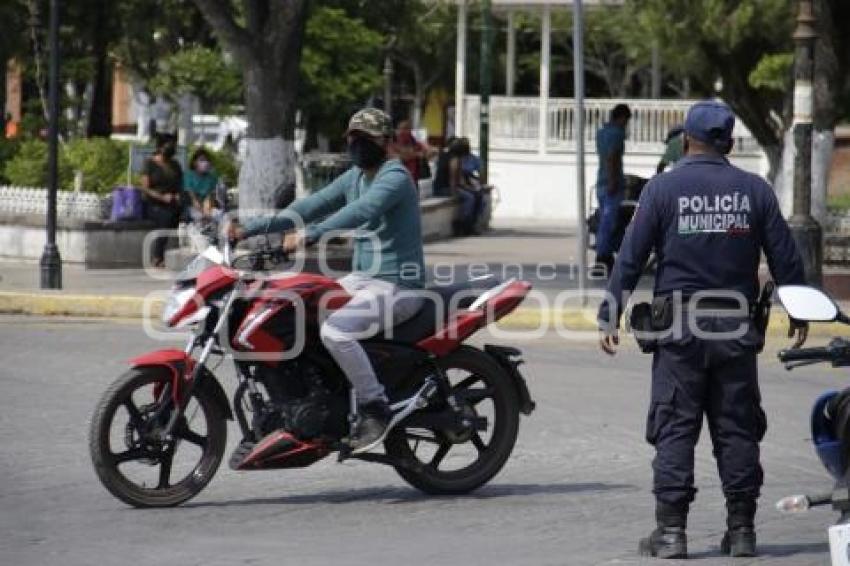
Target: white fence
69 204
515 123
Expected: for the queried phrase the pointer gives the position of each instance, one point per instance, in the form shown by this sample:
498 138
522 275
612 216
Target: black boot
668 540
740 538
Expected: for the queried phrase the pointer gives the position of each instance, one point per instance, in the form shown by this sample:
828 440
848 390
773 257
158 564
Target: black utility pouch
663 311
640 324
760 312
648 320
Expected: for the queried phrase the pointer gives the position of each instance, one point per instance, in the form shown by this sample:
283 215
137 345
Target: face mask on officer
365 153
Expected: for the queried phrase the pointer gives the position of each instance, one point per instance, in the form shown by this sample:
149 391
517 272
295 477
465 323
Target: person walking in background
410 151
674 148
11 128
162 183
610 184
200 183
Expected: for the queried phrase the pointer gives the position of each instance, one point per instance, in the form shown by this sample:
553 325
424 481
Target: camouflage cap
371 121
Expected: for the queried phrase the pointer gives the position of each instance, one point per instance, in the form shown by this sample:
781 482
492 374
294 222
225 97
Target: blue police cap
710 122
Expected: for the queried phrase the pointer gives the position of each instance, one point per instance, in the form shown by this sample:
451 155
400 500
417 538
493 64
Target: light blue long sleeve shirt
384 211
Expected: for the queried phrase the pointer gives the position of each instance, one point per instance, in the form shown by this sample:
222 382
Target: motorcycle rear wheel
140 447
467 368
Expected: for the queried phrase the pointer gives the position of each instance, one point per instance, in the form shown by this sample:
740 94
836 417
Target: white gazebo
533 153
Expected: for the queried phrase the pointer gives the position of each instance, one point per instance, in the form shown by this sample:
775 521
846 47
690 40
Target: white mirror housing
807 303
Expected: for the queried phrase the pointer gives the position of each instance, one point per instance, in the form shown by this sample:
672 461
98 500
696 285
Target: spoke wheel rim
142 445
443 445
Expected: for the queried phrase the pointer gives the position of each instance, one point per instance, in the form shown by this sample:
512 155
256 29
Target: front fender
181 367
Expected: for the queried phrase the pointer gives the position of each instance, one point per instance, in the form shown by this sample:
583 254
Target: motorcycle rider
708 222
376 195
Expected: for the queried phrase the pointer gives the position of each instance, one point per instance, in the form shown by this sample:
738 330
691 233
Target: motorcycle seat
440 301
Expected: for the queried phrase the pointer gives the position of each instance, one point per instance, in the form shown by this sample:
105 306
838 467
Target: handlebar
837 352
799 354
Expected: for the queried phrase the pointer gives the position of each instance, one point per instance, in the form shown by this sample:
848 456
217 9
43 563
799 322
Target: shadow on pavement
772 550
529 233
397 495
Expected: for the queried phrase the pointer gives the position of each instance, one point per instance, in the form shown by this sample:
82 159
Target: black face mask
365 153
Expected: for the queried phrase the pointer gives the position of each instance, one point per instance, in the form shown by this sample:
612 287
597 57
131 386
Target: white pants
375 304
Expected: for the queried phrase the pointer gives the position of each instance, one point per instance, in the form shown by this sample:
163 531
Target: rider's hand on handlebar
800 329
293 241
234 232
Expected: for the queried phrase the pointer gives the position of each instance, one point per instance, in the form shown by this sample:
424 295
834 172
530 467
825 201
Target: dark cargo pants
692 376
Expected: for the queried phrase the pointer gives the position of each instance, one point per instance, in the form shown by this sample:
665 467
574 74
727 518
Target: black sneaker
374 425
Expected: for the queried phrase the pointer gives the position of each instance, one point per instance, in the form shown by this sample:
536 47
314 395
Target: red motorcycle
159 432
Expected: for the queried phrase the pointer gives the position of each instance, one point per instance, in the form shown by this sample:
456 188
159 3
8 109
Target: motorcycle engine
301 401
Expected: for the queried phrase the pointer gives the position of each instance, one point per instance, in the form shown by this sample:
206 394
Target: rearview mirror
807 303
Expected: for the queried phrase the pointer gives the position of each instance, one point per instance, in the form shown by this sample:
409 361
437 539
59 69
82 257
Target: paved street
575 492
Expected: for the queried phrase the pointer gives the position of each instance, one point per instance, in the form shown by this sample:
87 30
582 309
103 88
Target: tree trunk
267 177
100 110
268 49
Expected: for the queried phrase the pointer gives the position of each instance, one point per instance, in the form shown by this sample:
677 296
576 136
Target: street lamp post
486 80
805 229
51 263
578 80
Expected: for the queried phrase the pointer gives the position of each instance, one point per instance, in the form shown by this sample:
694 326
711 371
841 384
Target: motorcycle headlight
176 303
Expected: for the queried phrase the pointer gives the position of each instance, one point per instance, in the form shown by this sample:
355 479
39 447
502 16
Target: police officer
708 223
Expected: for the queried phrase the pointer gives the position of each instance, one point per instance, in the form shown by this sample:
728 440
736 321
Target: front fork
209 340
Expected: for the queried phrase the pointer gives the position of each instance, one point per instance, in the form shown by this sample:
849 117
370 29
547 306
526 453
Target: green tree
339 67
265 38
726 39
201 72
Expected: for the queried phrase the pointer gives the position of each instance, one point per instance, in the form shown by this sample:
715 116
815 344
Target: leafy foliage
103 163
28 168
340 67
773 72
202 72
8 149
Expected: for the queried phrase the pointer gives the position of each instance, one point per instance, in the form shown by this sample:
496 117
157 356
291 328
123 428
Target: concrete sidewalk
545 256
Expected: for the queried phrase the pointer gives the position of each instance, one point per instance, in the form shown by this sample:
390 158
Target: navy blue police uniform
708 223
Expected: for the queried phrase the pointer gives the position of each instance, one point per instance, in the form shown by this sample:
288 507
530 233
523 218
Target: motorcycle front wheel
446 463
132 456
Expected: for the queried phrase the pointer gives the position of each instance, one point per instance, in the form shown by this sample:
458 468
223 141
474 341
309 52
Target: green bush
28 168
103 163
8 149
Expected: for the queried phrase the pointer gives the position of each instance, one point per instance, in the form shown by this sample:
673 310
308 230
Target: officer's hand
609 342
799 328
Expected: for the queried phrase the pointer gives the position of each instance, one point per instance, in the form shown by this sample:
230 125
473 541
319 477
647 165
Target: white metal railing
69 204
515 123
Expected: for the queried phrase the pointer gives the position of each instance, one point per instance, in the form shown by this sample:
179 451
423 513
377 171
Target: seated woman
452 180
162 180
200 183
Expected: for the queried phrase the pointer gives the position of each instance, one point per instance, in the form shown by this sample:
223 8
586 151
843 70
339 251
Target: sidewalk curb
124 307
58 304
